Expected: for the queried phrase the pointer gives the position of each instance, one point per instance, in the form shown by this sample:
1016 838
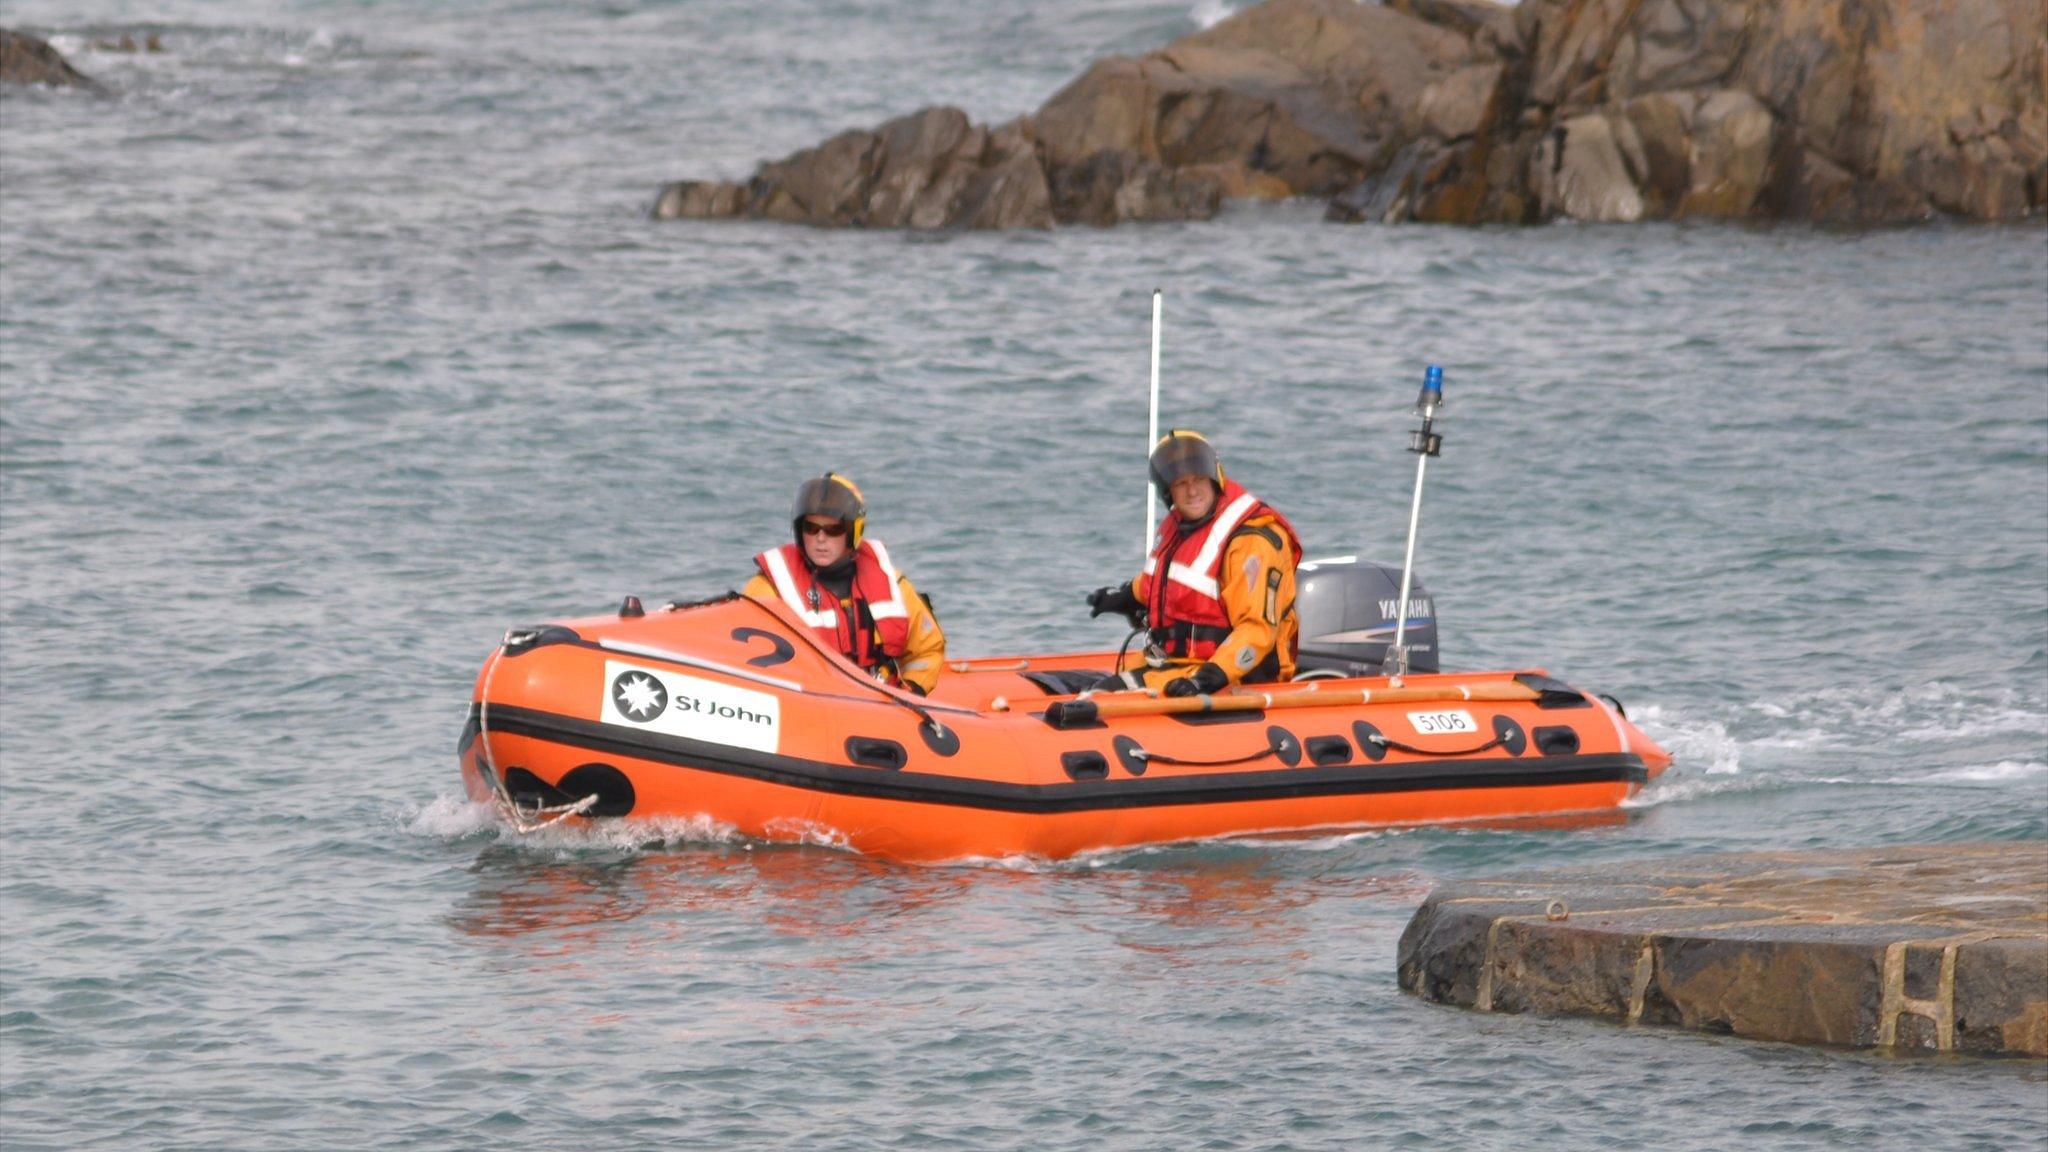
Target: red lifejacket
1186 606
871 628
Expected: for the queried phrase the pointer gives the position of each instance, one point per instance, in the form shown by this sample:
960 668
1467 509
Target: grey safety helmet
834 496
1181 453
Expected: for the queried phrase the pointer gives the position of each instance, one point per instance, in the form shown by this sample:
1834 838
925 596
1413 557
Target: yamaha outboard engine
1348 609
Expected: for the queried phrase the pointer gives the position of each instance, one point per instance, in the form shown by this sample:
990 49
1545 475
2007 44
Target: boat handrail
633 649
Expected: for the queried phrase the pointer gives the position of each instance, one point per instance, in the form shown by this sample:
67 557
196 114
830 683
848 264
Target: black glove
1111 598
1203 681
1117 598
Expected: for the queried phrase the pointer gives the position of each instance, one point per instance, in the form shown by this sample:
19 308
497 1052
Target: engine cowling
1348 610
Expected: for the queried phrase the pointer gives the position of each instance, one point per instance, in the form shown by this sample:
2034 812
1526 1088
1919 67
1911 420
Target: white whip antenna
1152 428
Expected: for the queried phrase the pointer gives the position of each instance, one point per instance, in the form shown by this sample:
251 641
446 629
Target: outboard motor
1348 608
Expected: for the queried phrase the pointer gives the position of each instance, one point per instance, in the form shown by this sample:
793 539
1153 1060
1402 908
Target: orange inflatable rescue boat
730 710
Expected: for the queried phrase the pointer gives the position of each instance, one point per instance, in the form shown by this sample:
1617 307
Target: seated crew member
1218 589
844 586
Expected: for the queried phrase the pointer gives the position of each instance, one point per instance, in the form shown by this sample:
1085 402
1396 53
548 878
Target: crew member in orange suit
843 584
1218 589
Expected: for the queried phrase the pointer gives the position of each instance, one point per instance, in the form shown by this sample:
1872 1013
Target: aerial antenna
1424 443
1152 428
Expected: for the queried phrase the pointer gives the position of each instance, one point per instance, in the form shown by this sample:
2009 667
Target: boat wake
454 817
1949 735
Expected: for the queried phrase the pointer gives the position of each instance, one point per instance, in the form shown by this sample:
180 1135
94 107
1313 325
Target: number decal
1437 723
782 653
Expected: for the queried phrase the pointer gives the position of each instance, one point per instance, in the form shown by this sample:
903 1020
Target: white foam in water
1704 758
453 816
1209 13
1675 787
2003 772
787 831
570 837
1923 712
1704 744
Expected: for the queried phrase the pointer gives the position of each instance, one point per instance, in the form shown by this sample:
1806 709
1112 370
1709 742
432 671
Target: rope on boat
930 723
1412 750
522 820
1160 758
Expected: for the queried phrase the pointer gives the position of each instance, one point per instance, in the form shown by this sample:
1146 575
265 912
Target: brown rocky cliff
1468 111
26 59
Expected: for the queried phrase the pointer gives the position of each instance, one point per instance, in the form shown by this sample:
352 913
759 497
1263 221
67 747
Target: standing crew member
1218 589
844 586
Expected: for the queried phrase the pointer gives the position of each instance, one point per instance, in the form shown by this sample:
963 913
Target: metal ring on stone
1557 910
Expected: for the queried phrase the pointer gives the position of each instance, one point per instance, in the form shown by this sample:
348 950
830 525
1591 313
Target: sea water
336 340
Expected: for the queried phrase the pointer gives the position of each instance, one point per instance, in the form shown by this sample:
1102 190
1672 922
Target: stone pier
1935 947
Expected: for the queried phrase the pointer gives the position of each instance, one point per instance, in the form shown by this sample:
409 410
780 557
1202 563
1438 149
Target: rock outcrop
1848 111
1934 947
26 59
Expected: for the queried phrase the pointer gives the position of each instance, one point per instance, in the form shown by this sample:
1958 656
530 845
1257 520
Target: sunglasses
832 528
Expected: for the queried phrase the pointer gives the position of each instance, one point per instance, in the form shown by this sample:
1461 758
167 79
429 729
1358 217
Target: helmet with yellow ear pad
835 497
1182 453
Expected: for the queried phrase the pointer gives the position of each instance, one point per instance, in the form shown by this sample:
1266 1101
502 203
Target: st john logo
638 696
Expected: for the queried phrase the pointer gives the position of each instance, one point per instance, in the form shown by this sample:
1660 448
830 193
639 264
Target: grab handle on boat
1082 713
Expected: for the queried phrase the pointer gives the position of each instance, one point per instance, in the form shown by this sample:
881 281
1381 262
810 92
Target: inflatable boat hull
729 712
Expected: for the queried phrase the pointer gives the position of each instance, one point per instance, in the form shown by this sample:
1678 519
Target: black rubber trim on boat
1553 693
1509 734
1369 741
939 738
613 789
1085 765
1201 719
1557 741
1130 754
1156 790
1285 747
1067 715
520 641
526 788
876 753
1324 751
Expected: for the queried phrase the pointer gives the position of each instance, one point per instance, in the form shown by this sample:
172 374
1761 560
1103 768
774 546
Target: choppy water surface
336 342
